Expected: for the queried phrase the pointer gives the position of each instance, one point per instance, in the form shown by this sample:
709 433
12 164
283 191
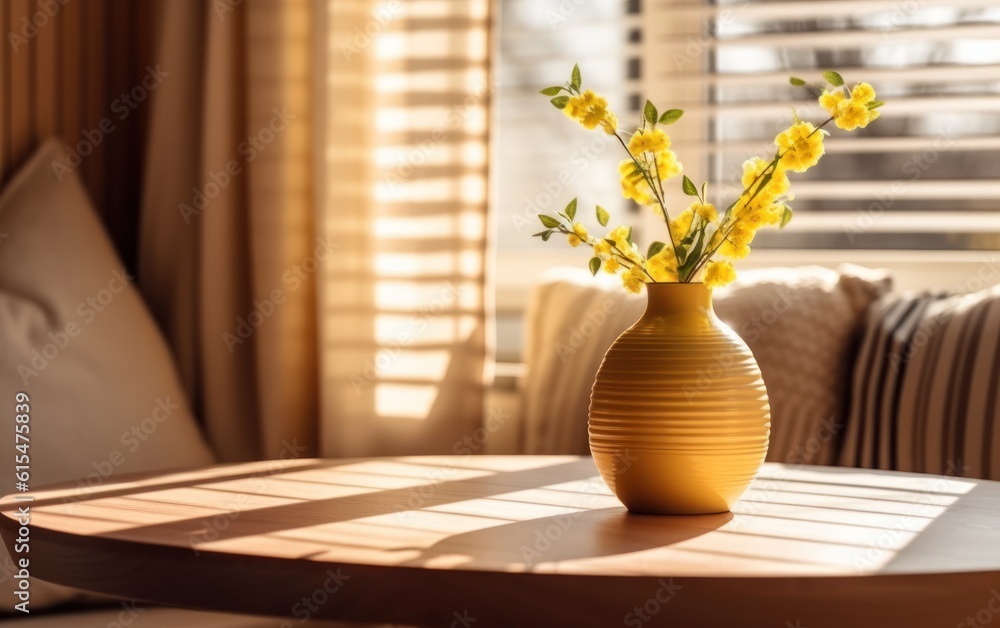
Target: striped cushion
925 386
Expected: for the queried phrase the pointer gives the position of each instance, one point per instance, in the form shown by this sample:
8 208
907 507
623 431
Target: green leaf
786 217
704 191
691 259
546 236
576 81
875 104
794 80
551 91
560 102
628 238
595 265
611 242
602 216
549 221
540 233
671 115
654 248
689 187
571 210
650 113
833 78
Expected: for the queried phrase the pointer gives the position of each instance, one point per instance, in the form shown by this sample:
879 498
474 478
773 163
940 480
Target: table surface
523 540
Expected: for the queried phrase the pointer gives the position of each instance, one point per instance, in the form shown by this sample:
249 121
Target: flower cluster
699 232
851 109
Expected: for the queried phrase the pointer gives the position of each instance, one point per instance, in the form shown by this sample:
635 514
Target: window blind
924 176
406 93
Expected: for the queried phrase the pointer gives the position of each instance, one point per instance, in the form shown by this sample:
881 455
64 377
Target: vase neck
673 299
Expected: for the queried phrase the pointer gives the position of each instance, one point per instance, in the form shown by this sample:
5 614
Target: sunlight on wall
408 170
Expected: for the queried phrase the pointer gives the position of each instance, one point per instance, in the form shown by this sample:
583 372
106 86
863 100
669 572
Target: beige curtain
404 187
321 276
228 218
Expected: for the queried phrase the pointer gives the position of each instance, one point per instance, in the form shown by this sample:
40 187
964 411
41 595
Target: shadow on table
572 536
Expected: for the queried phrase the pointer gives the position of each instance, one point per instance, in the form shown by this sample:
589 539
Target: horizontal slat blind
408 99
933 152
544 159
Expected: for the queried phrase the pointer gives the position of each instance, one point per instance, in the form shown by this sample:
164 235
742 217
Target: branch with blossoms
699 233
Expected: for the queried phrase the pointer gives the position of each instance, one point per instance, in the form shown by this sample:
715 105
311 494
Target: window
542 164
920 185
923 177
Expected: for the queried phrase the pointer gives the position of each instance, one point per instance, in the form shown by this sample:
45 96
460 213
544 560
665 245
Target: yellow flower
719 273
680 226
831 101
667 165
602 249
863 93
850 112
734 251
578 236
663 266
648 140
741 235
611 265
633 279
634 185
610 123
854 114
619 235
778 185
591 110
801 146
706 211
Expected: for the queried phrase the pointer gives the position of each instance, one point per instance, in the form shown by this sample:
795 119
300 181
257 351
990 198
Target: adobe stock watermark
128 615
30 25
422 150
564 10
984 616
247 151
696 46
213 527
363 37
470 444
122 107
580 334
914 168
987 274
131 440
86 311
264 308
546 538
750 332
392 349
893 537
764 489
899 16
645 612
305 608
552 190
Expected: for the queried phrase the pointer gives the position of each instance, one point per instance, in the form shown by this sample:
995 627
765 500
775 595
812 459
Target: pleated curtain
324 293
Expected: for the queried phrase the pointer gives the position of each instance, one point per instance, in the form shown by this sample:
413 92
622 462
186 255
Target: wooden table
523 541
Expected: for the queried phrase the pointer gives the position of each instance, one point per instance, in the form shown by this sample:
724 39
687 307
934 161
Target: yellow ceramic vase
679 419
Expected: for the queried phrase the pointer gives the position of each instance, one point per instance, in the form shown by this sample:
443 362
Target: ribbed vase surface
679 418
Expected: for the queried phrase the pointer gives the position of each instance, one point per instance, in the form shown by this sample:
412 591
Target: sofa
858 374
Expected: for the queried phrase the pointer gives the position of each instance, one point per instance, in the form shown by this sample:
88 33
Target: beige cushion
75 335
926 386
801 324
